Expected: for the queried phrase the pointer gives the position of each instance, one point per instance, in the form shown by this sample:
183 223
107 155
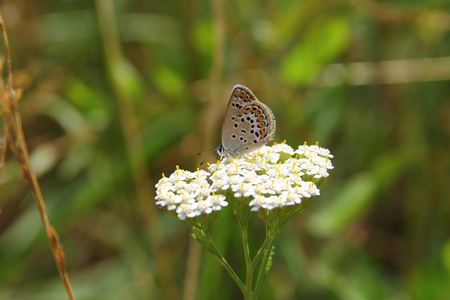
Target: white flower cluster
270 177
188 193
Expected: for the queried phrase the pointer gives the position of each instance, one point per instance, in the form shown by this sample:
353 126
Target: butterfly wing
248 123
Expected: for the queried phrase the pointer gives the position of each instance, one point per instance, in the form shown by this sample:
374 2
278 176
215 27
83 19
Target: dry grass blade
3 139
3 146
15 140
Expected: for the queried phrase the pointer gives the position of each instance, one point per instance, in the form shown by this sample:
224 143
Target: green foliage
102 127
324 41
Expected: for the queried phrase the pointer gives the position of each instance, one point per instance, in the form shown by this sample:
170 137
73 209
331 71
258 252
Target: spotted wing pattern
248 123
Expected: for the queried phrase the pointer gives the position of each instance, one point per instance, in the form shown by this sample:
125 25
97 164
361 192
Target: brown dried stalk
14 138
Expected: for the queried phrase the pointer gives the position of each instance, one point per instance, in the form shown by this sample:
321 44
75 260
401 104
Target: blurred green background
118 92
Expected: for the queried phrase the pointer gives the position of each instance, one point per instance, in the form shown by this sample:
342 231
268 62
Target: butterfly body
248 124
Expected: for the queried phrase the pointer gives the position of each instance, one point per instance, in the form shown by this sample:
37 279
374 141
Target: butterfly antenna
213 149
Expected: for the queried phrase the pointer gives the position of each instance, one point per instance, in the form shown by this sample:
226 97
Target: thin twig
15 139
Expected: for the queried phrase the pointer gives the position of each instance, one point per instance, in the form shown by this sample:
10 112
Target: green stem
248 267
261 250
243 217
264 270
207 241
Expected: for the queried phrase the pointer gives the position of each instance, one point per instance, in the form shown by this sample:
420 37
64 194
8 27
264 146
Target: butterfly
248 124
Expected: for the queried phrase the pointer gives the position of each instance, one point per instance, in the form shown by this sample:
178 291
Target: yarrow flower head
271 178
274 183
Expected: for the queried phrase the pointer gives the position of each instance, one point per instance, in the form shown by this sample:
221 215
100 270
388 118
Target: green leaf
325 41
357 195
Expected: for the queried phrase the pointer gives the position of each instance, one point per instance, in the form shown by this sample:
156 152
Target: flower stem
248 266
243 216
264 266
263 257
207 241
